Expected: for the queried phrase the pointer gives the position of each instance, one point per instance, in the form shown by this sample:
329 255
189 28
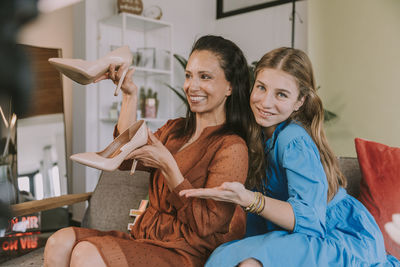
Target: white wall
260 31
355 48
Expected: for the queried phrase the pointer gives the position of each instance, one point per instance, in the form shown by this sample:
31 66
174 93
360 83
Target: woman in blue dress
300 213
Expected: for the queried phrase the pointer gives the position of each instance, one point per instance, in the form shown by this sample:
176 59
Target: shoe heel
115 153
121 81
134 163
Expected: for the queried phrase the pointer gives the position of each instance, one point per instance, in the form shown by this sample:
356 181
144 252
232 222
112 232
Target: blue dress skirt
339 233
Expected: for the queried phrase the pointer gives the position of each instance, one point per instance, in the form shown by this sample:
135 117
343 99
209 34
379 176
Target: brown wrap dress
174 230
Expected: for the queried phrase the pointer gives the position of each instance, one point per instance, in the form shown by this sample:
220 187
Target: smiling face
274 98
205 85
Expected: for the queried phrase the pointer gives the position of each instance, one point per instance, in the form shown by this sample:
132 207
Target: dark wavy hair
239 117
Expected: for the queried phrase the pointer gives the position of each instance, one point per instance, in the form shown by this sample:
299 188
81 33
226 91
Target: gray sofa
117 192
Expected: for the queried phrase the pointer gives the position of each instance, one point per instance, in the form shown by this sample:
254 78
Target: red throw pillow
380 186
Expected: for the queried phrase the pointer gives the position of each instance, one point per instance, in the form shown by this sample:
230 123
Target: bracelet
250 208
254 205
257 206
262 205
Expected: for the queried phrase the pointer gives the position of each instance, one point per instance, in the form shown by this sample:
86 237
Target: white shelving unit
154 71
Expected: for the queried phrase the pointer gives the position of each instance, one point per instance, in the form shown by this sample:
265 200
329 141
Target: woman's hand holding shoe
128 87
156 155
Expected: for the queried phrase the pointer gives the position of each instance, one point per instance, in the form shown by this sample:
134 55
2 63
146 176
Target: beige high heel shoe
85 72
115 153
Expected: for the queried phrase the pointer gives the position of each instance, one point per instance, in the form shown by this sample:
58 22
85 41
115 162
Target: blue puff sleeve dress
339 233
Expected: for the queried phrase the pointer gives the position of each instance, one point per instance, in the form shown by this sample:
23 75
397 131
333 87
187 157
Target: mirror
41 145
33 166
41 157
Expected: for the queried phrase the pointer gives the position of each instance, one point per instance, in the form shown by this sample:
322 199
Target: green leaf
178 92
329 115
252 68
181 60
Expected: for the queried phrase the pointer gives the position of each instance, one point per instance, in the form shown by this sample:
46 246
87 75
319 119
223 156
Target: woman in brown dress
205 149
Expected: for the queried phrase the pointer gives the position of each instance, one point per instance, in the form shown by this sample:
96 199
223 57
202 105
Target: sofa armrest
48 203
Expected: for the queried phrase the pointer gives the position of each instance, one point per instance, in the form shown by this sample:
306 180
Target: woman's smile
196 99
265 114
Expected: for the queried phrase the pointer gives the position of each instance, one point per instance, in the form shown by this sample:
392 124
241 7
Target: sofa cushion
379 188
351 170
116 193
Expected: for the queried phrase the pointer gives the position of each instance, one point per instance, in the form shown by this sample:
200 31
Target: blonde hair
311 114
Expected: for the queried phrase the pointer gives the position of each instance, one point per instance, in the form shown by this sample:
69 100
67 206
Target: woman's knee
86 254
62 238
58 247
250 262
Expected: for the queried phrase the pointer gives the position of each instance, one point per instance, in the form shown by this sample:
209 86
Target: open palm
233 192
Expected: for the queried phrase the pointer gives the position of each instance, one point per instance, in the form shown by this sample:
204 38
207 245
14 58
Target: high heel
121 81
85 72
115 153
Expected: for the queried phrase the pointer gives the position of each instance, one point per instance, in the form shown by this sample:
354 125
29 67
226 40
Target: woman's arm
127 114
277 211
307 185
305 209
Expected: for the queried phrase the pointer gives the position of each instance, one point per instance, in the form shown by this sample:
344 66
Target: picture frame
226 8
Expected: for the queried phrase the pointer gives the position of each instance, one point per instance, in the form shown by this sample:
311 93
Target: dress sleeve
307 186
206 216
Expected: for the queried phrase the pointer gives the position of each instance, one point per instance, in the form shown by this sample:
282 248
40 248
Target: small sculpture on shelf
153 12
130 6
